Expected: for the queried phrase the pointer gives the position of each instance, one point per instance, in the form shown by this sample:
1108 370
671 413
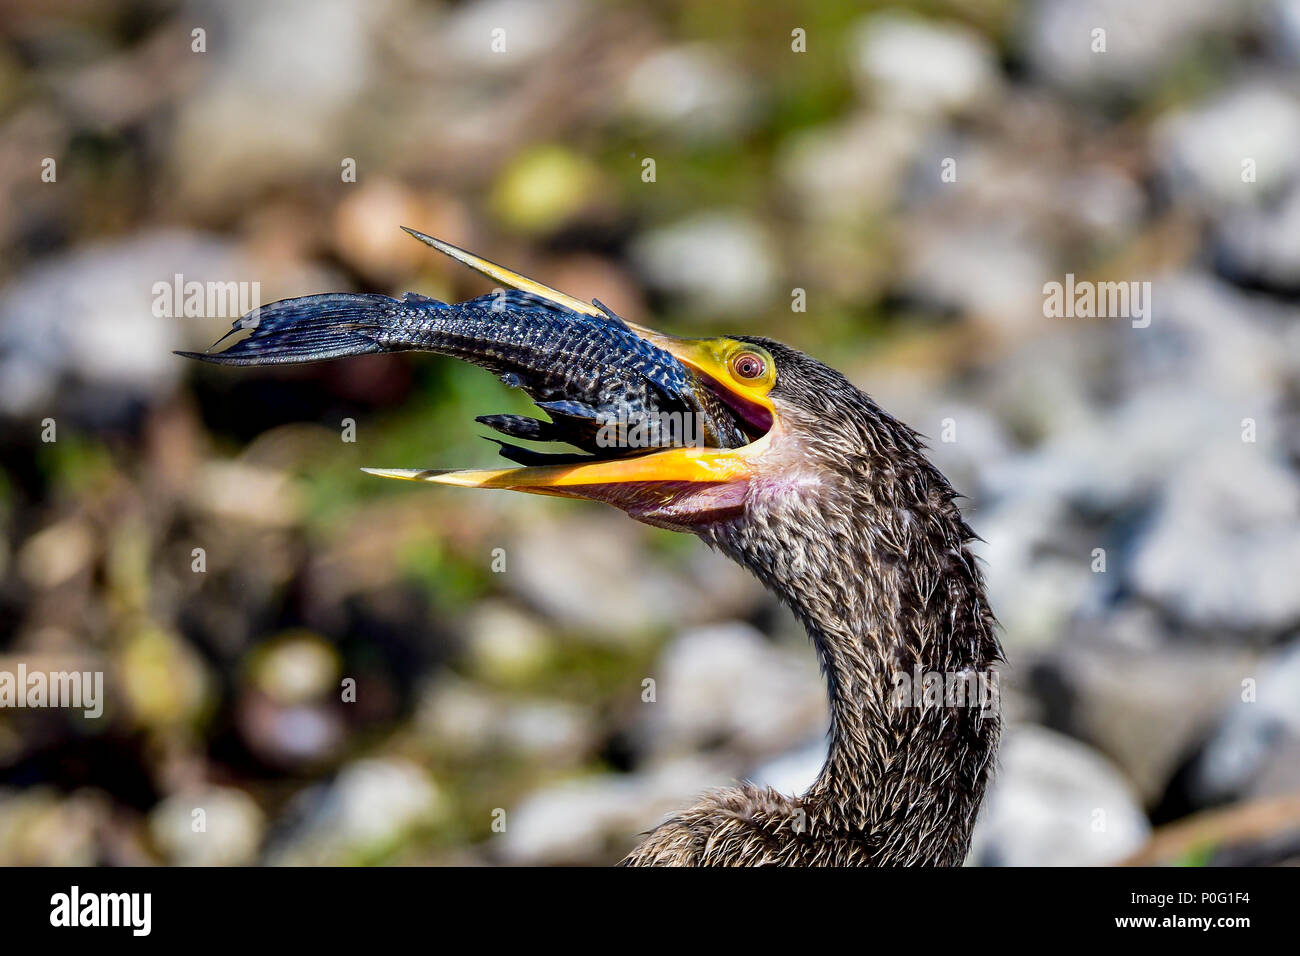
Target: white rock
1223 548
371 804
851 170
280 78
919 65
1146 706
1202 148
529 29
1260 729
1284 29
1263 244
719 261
990 273
1141 39
90 328
596 577
1056 802
689 89
727 682
462 717
978 437
795 771
597 820
214 826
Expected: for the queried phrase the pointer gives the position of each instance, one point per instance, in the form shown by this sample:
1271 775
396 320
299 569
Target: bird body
804 481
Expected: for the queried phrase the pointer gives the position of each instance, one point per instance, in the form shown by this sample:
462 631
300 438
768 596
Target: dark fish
606 389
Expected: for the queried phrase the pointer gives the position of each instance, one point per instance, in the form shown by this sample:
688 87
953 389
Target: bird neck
914 729
894 605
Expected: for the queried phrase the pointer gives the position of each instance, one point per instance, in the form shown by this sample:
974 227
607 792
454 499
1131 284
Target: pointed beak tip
408 474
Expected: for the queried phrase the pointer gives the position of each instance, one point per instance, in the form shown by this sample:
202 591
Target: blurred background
1137 489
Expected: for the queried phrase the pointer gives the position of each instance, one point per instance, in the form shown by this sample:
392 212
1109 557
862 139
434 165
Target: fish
605 389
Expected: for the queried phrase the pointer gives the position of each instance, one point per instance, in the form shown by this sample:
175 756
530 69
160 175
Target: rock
366 233
1253 751
229 829
1202 149
1207 331
531 30
1112 456
690 91
1107 462
295 667
793 772
977 437
41 827
288 710
1145 707
1235 503
461 718
370 807
598 820
505 646
457 716
850 171
576 573
1284 28
991 274
251 494
293 737
1141 40
719 262
284 76
90 332
1038 574
727 685
1055 802
56 554
1038 390
909 63
548 731
80 329
592 577
1262 246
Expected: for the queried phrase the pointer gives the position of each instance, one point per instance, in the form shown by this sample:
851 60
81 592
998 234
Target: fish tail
317 327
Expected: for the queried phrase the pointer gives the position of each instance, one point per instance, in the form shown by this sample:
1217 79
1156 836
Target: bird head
783 403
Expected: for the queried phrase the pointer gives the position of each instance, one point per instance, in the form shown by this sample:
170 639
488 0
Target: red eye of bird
748 365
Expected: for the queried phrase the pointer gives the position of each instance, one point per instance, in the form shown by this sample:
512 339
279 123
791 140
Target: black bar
615 907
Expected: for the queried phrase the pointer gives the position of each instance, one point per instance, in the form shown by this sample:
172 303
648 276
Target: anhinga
800 477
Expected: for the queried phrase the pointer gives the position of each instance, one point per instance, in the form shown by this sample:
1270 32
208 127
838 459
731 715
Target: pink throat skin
779 472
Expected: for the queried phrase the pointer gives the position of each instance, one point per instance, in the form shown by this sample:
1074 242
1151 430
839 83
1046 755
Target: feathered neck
872 559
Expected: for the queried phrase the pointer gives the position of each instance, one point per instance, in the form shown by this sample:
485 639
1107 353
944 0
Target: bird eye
748 365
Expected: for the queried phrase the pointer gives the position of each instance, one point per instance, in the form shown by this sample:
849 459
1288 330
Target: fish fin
315 327
529 458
